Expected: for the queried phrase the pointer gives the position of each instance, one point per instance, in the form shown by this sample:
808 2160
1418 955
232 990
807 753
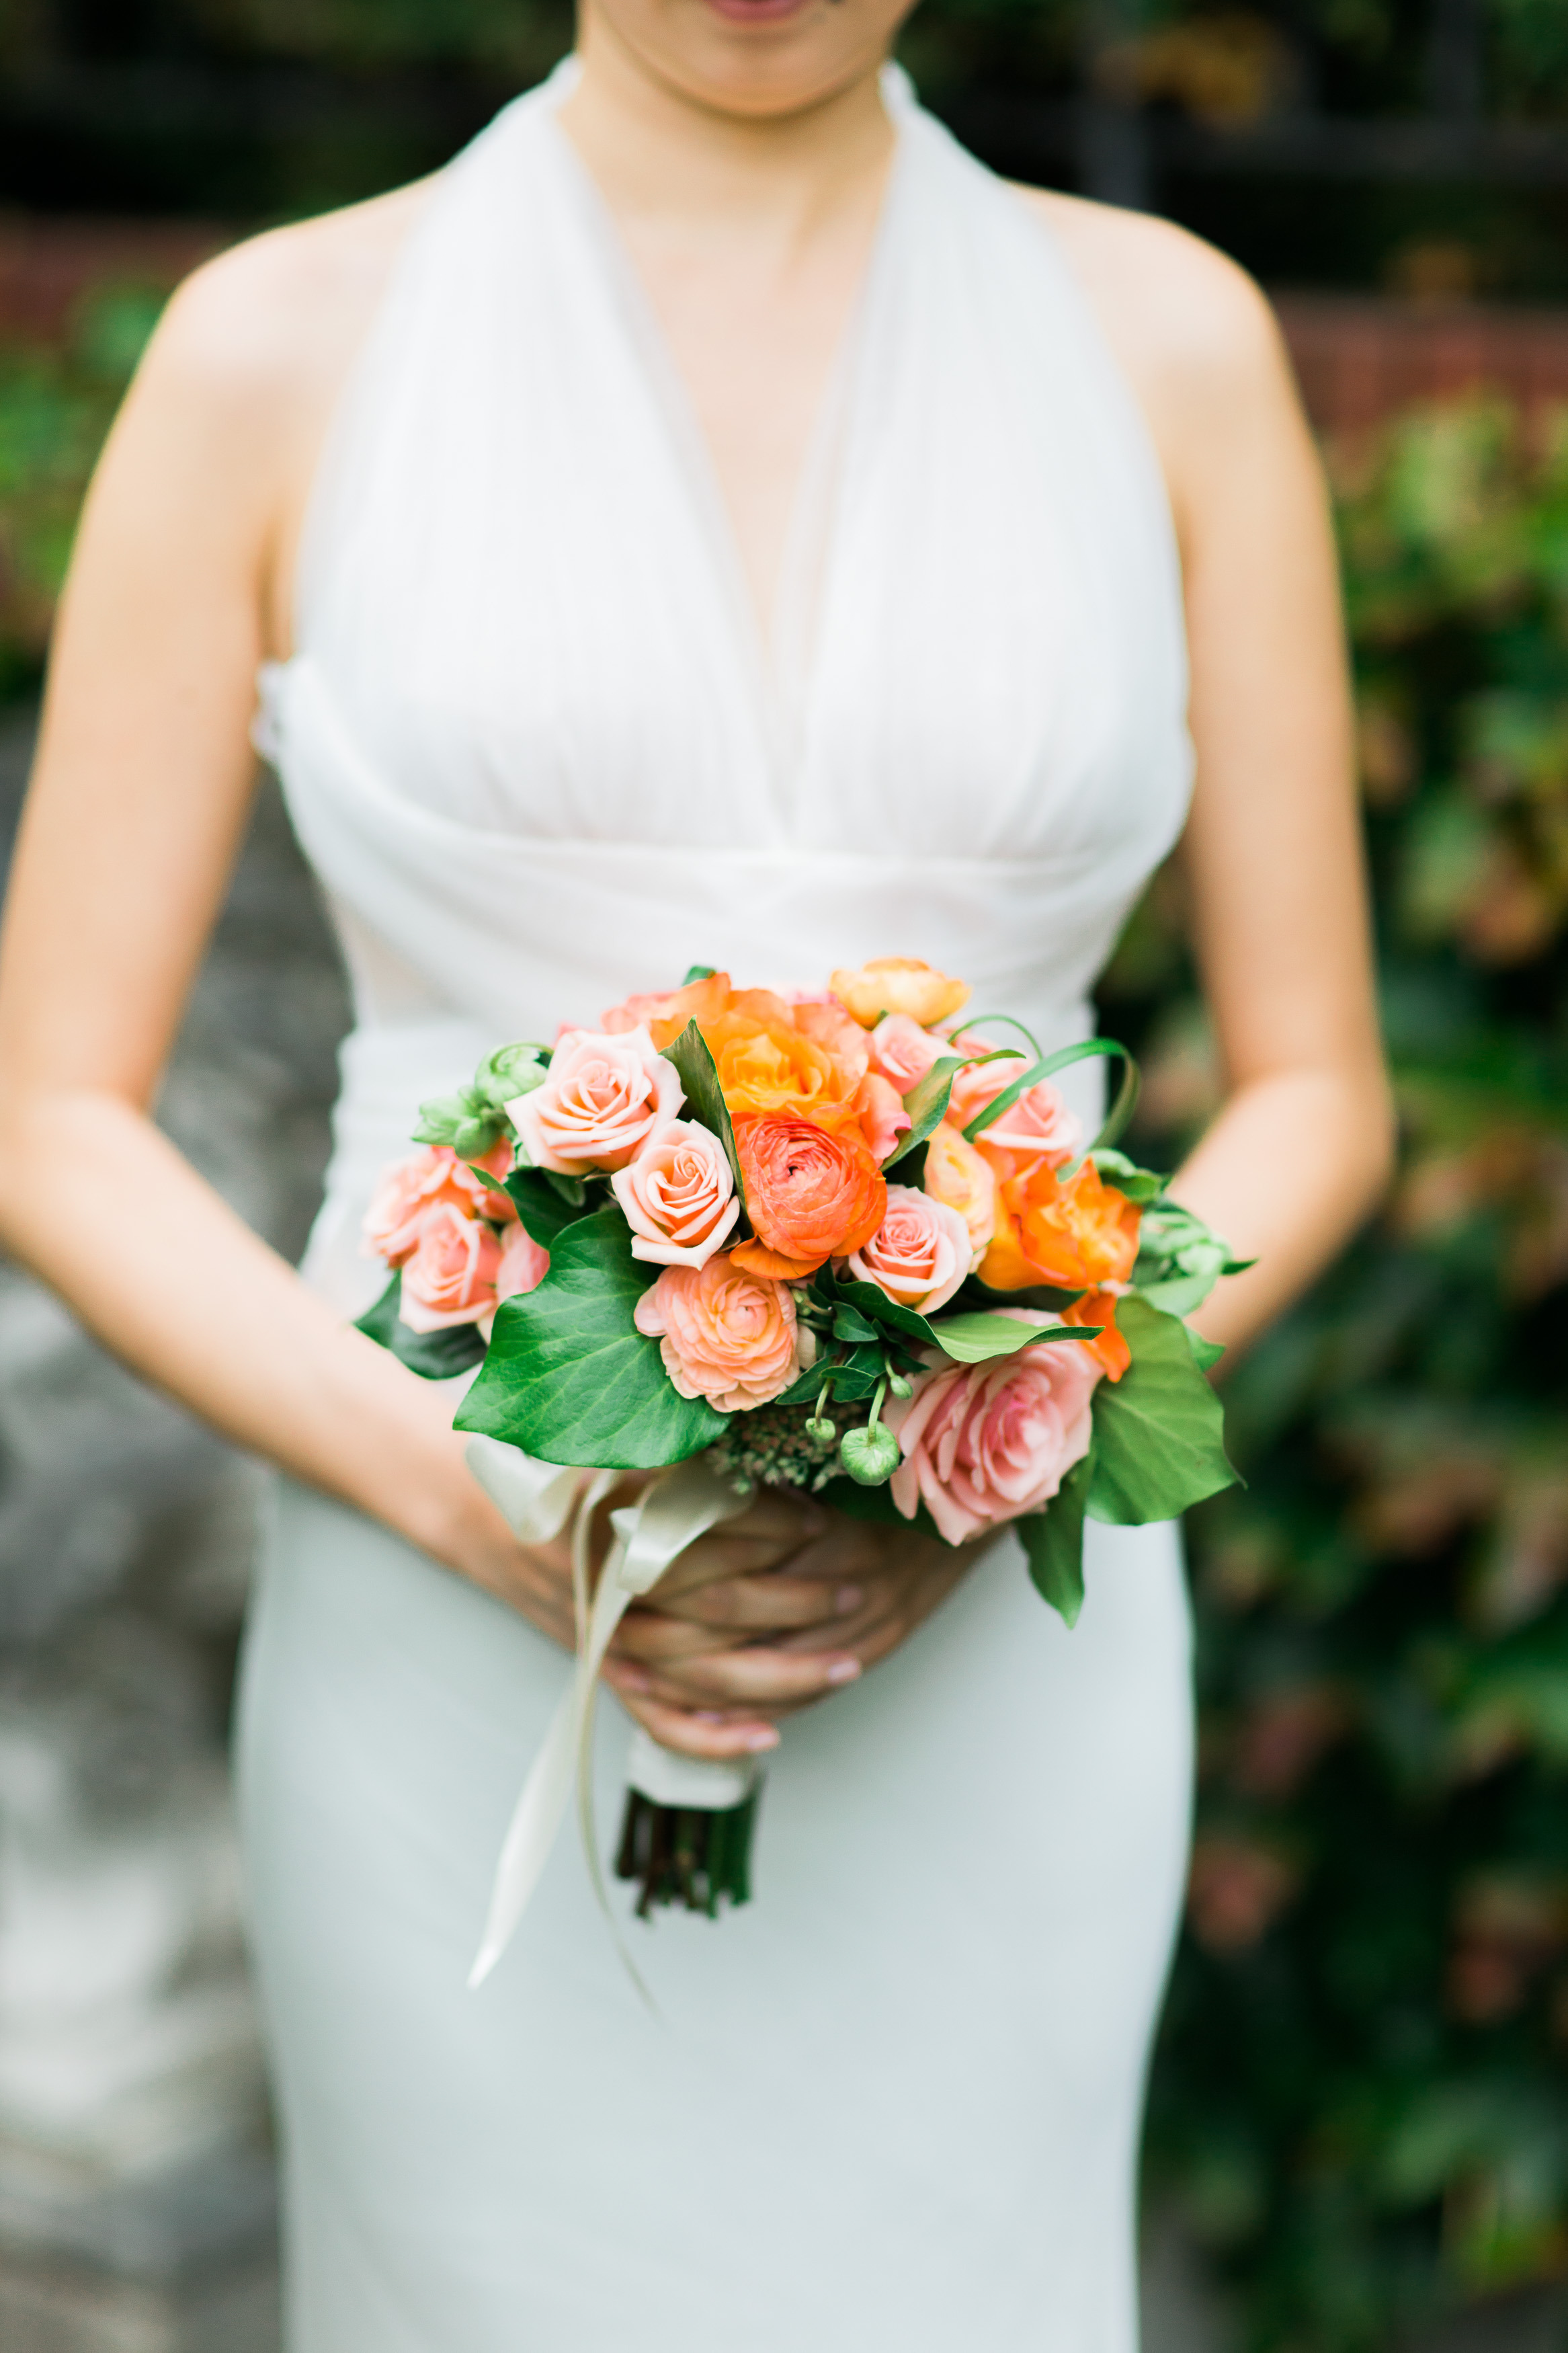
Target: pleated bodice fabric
532 736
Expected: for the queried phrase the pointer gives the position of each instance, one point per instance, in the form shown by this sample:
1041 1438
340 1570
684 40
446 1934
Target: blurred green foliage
55 408
1361 2094
1361 2091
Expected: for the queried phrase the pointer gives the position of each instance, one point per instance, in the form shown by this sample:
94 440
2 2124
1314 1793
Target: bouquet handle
538 1499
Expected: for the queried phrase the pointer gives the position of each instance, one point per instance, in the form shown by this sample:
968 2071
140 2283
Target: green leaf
1207 1352
968 1339
848 1323
1053 1539
927 1106
569 1378
974 1339
875 1504
540 1207
698 971
1140 1186
434 1356
704 1095
1158 1432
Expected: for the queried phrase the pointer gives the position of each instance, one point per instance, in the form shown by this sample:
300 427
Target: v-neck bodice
531 737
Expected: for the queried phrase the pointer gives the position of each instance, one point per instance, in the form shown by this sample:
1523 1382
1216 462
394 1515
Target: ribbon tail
545 1796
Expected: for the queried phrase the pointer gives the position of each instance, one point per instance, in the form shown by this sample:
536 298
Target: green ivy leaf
927 1107
704 1095
569 1378
1053 1539
434 1356
1158 1432
540 1206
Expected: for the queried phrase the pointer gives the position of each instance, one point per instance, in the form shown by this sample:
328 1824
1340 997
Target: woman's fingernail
707 1715
843 1671
759 1740
847 1598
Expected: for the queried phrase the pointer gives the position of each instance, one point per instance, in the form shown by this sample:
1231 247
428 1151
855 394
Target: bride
713 519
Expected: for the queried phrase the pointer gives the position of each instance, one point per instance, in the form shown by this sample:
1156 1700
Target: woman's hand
714 1659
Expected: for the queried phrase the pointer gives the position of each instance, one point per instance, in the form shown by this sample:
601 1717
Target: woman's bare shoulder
1196 335
283 314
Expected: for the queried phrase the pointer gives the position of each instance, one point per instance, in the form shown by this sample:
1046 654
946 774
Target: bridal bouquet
846 1242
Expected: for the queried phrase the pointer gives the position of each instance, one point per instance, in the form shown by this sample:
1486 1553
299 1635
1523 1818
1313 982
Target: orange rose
1076 1236
956 1173
811 1195
900 985
769 1070
1110 1351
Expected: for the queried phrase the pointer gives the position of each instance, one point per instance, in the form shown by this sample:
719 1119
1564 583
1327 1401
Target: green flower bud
900 1387
821 1431
440 1119
475 1136
870 1456
509 1071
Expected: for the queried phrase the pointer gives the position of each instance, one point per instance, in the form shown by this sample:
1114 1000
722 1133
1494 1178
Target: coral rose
810 1194
900 985
985 1443
678 1195
449 1277
724 1335
408 1187
1076 1236
825 1021
902 1052
1038 1125
1109 1351
667 1016
920 1253
964 1179
603 1097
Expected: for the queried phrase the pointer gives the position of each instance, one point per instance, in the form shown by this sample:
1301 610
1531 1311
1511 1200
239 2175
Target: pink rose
678 1195
525 1263
920 1253
450 1276
963 1177
601 1101
408 1187
636 1013
902 1052
1038 1127
985 1443
724 1335
880 1108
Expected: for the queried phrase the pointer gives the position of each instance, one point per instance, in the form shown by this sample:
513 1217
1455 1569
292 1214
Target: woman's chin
754 58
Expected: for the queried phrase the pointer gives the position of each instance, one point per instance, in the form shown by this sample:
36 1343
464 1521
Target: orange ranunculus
812 1194
1109 1351
1076 1235
769 1070
899 985
666 1017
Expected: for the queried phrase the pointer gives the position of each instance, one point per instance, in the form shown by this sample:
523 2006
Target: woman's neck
659 154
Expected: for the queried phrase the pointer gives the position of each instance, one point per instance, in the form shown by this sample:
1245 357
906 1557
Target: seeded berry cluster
778 1446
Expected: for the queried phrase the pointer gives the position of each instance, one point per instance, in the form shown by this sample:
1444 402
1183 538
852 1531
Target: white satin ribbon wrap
537 1499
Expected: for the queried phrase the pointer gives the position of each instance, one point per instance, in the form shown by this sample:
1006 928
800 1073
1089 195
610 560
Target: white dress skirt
539 757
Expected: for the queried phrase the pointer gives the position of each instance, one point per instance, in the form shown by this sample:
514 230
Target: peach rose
900 985
601 1101
985 1443
826 1023
902 1052
964 1179
724 1335
1037 1126
525 1263
450 1276
678 1195
408 1187
919 1255
810 1194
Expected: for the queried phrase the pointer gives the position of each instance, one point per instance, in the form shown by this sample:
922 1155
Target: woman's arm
139 800
1302 1145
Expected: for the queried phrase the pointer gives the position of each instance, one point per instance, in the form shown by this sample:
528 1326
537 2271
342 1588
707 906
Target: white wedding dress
540 758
